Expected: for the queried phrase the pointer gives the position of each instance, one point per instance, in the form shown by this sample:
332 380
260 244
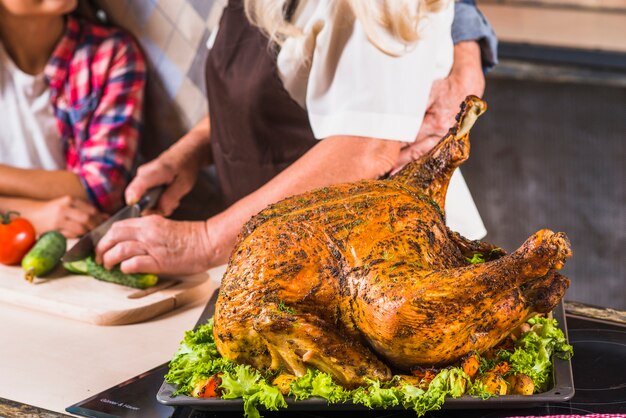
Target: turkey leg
474 306
430 174
296 341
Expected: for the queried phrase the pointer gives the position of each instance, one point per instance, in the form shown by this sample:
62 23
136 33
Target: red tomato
17 236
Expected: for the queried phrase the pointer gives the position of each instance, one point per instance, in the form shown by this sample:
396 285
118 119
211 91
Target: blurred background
550 151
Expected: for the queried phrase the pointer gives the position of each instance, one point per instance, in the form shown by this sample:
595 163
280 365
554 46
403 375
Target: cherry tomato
17 236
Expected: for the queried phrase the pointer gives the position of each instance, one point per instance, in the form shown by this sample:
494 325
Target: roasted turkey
363 278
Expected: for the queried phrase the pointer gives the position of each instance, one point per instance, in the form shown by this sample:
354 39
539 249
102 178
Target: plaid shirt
97 77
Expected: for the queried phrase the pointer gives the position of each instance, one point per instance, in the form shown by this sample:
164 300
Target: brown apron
257 129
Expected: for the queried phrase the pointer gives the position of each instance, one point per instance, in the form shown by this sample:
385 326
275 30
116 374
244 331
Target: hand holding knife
87 243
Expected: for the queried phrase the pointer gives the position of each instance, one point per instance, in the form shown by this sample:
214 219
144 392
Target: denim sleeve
470 24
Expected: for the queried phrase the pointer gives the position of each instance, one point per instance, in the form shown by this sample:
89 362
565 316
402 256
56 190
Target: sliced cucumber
76 267
138 281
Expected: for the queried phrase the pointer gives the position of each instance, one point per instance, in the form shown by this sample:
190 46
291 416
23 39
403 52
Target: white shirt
29 137
350 87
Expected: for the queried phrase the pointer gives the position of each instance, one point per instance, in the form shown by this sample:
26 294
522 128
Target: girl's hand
69 215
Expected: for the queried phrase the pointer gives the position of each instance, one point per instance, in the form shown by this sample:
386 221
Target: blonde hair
399 18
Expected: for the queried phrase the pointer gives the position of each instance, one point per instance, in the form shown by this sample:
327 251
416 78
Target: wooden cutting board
89 300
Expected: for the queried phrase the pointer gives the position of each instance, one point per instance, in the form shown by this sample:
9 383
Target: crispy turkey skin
361 278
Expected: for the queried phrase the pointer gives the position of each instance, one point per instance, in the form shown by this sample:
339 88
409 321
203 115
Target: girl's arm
69 215
39 184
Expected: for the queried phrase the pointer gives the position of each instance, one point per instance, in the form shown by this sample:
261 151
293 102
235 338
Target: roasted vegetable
470 365
17 236
494 383
501 368
283 382
45 255
520 384
208 388
425 375
407 379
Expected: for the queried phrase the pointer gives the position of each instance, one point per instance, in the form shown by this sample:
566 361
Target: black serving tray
562 390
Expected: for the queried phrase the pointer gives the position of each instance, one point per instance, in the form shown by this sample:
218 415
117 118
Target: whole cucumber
138 281
45 255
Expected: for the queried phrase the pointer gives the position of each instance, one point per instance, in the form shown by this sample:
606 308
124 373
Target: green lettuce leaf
324 387
196 358
409 393
534 350
239 382
247 383
479 390
302 387
477 258
374 395
316 383
547 328
448 382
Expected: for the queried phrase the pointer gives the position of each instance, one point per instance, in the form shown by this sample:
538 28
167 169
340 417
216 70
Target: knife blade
87 243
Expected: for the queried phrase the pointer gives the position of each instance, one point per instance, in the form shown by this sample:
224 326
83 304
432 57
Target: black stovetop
599 368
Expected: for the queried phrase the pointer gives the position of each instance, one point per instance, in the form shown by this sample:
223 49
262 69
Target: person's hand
177 168
153 244
178 174
446 95
69 215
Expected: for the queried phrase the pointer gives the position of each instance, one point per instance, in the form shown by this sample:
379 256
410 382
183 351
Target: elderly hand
466 77
177 168
153 244
69 215
178 174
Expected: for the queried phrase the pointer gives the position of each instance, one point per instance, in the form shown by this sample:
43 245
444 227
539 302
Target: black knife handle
151 197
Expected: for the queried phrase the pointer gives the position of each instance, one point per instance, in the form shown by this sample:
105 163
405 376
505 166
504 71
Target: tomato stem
6 217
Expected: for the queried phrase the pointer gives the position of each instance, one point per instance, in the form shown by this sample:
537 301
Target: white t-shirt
350 87
29 137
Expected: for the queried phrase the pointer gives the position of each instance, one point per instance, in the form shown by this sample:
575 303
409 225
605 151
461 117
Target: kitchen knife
87 243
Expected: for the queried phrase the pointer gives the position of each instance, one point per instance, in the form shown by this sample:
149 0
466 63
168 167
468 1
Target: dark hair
91 11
